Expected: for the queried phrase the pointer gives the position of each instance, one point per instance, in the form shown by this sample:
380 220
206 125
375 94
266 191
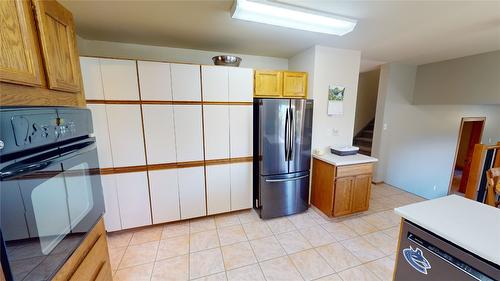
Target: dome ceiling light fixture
278 14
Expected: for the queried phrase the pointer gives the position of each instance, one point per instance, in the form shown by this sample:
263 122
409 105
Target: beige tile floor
240 246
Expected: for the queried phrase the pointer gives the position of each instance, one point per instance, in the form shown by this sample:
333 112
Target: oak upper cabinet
241 186
185 82
159 133
155 80
20 60
58 42
125 134
294 84
133 198
112 214
188 132
92 79
119 79
240 84
215 83
164 190
241 130
101 132
268 83
192 192
218 189
216 131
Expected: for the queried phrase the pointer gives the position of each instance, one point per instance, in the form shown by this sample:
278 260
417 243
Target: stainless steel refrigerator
282 156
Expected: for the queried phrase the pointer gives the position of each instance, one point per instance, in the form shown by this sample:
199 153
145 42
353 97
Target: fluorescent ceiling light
292 17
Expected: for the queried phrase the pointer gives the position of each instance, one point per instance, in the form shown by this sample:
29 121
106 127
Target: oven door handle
28 166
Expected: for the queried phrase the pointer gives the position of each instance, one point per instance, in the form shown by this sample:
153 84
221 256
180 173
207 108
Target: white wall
417 149
330 67
468 80
146 52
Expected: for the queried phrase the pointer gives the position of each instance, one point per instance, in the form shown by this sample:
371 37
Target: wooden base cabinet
90 261
342 190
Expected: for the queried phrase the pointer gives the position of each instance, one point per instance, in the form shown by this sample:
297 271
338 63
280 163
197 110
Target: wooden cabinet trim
168 102
93 262
33 74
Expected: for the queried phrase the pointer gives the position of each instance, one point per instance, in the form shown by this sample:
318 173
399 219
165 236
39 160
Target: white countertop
464 222
345 160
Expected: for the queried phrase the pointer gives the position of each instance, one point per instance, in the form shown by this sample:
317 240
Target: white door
101 132
241 130
241 186
216 122
218 189
119 79
164 195
154 80
125 133
214 83
92 79
159 133
188 132
112 219
186 85
192 192
240 84
133 198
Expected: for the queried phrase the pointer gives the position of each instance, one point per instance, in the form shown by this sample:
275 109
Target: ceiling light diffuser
290 16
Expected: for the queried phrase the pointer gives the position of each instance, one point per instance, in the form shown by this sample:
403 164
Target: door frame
463 120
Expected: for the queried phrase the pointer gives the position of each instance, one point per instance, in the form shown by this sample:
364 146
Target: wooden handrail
476 168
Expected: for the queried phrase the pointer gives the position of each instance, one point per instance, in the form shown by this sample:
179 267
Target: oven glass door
49 202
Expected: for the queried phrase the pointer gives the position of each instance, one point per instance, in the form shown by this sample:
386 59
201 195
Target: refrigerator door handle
290 179
286 136
292 136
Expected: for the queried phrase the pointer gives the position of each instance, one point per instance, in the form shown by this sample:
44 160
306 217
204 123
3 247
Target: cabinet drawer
92 264
353 170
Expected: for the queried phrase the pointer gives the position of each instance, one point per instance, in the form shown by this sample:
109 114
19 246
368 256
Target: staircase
364 138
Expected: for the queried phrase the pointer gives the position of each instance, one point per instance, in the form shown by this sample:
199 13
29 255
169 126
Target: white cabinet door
188 132
192 192
92 80
214 83
186 85
133 198
125 133
164 195
218 189
101 132
241 130
154 80
241 186
216 122
159 133
240 84
112 219
119 79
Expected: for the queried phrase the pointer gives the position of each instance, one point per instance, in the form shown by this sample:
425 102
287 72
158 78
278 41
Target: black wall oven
50 189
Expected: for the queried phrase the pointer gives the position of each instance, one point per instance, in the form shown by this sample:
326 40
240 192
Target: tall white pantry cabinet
190 125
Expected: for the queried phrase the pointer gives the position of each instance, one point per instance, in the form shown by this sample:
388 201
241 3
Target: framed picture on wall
335 100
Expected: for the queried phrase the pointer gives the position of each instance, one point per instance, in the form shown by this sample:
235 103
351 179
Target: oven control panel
26 128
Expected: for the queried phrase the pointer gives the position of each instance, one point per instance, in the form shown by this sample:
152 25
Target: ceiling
415 32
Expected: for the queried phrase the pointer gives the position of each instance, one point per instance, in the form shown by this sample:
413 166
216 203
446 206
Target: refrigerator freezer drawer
424 256
283 195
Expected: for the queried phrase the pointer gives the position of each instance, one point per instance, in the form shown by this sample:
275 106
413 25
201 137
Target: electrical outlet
489 140
385 126
435 187
335 132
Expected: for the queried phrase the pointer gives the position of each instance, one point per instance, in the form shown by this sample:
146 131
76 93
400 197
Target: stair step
368 131
363 139
364 148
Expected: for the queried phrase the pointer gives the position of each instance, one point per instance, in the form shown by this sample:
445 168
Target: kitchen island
449 238
341 185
